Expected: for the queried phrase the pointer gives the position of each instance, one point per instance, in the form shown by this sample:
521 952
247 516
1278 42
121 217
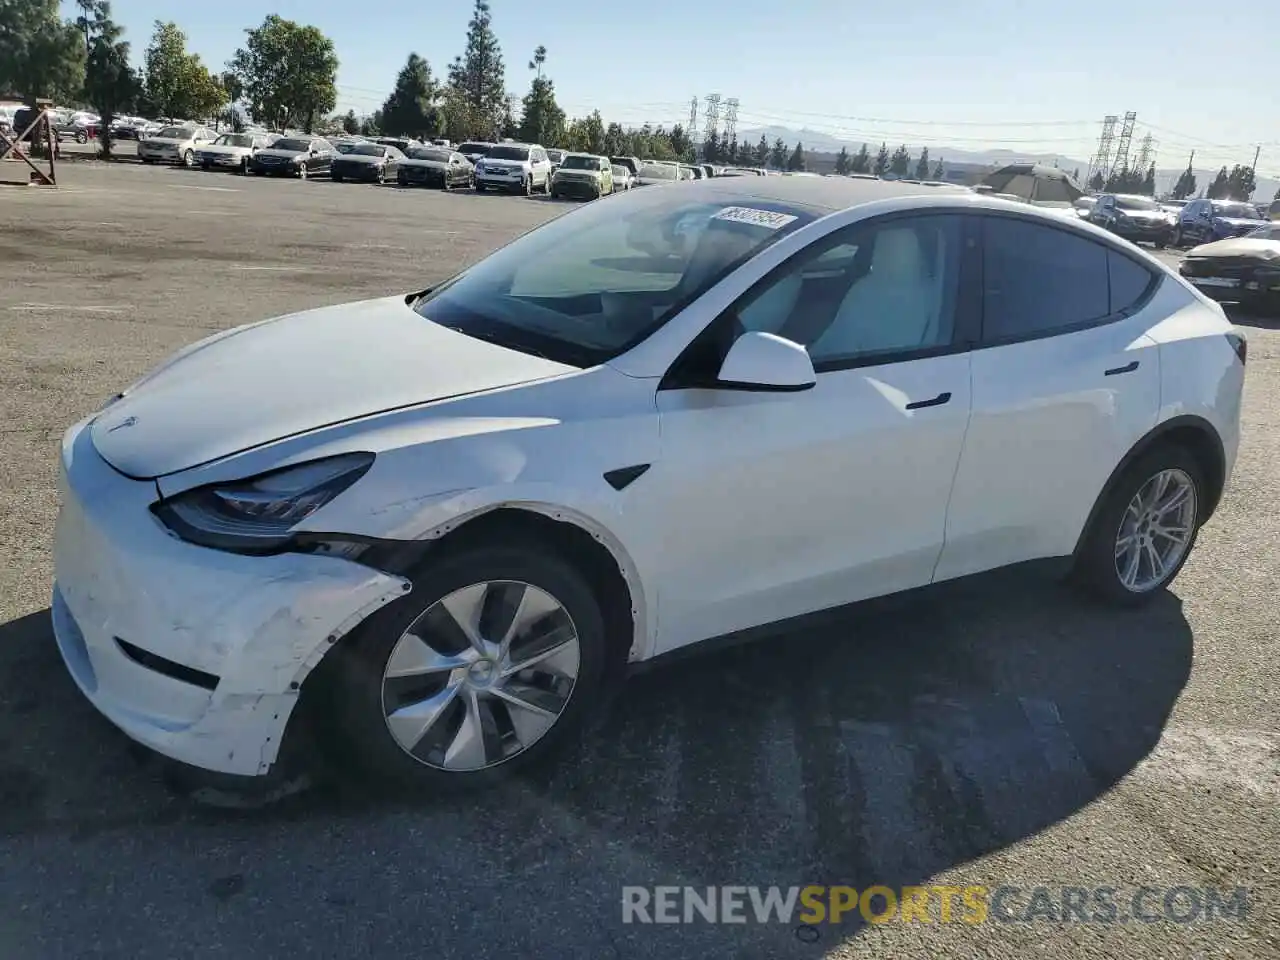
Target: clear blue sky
1033 77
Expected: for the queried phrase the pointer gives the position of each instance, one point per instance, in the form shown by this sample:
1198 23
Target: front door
779 504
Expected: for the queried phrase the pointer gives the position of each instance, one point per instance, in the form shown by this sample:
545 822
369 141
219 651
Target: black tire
335 177
479 187
205 166
1095 564
554 195
188 158
1177 236
356 723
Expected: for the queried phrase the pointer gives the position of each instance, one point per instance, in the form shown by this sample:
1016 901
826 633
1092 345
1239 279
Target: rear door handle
1129 367
937 401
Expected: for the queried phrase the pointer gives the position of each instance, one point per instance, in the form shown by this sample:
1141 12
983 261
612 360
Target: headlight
257 515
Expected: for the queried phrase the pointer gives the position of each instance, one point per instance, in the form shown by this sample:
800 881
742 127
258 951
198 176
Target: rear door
1065 382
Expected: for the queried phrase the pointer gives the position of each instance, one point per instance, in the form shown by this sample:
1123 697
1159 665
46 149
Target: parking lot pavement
992 732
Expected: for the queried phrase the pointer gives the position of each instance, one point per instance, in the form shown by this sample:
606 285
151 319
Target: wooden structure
38 130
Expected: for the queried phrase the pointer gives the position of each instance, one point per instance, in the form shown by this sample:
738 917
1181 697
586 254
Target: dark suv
1203 221
1139 219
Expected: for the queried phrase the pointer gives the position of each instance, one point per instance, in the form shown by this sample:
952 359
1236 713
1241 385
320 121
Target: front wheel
82 137
1145 527
494 662
479 187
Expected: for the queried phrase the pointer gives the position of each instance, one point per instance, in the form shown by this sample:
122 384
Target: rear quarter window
1129 281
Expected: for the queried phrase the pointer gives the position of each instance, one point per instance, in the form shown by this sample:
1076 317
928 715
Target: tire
335 177
81 137
244 168
528 186
302 171
1097 568
358 724
1177 236
546 185
188 158
205 166
146 160
554 195
479 187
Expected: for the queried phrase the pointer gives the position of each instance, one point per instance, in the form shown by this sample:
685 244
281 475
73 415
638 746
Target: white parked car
232 151
516 167
174 145
622 176
562 462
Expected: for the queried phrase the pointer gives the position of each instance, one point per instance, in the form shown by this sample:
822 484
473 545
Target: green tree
289 73
411 109
350 123
178 83
939 172
900 162
681 145
778 155
761 155
1149 181
593 128
843 161
922 164
615 140
1241 182
371 126
41 54
796 160
881 166
861 162
1220 187
711 147
477 78
1185 185
110 85
542 120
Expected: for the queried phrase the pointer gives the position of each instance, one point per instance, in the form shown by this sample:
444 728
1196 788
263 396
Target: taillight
1240 345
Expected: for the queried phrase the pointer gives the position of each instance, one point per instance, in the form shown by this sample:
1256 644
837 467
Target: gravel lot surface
993 732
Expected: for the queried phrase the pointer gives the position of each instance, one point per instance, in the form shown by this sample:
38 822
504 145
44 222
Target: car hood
223 148
168 140
358 158
1241 222
1238 247
286 154
252 385
429 164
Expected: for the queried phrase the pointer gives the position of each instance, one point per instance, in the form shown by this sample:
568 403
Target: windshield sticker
757 218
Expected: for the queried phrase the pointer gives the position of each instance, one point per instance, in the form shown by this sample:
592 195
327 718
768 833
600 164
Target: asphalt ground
994 732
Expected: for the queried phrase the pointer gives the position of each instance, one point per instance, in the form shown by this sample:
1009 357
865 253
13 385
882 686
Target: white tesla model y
454 517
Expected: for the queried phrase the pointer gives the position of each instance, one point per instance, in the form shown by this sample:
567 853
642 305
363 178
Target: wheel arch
595 551
1194 434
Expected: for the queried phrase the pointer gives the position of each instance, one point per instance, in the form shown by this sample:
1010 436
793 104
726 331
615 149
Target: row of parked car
505 166
1175 223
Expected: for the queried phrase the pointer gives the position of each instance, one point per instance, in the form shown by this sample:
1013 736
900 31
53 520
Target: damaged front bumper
195 653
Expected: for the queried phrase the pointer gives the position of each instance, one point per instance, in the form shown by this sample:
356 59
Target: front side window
1038 279
589 285
867 291
1236 211
295 146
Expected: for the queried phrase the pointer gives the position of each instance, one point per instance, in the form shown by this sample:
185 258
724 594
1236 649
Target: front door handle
1129 367
937 401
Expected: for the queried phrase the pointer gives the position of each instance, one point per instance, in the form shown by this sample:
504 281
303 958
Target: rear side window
1129 281
1038 280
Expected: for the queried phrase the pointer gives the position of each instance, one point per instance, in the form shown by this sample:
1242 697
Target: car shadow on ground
1251 317
878 746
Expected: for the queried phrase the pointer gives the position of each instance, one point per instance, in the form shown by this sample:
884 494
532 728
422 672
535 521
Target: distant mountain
817 142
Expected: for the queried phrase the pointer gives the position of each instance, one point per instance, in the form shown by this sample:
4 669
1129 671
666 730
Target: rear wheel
528 186
1145 528
188 158
492 663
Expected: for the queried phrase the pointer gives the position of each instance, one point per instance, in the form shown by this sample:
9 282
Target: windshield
297 146
475 148
658 171
591 284
507 152
581 163
343 147
618 170
368 150
176 133
234 140
1240 211
1136 203
555 156
419 153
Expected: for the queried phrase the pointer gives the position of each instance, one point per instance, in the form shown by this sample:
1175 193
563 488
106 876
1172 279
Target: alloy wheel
480 676
1155 531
